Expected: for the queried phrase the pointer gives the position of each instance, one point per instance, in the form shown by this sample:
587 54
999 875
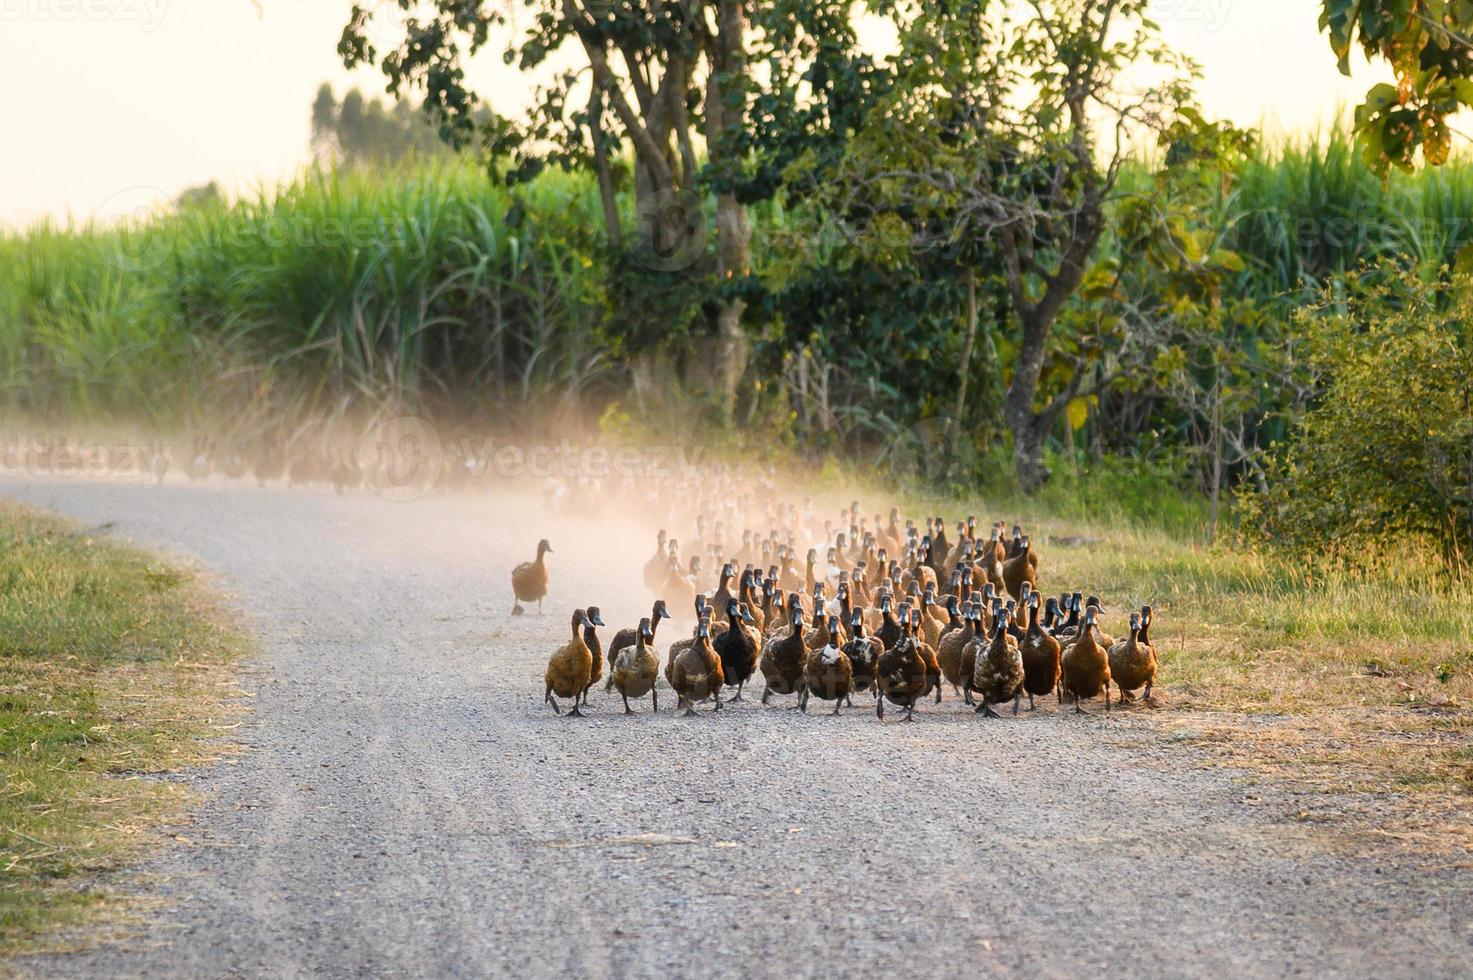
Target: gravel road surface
406 806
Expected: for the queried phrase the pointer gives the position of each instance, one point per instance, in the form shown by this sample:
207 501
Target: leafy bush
1383 457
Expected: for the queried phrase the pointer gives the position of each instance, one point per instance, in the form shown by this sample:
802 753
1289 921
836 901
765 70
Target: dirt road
406 805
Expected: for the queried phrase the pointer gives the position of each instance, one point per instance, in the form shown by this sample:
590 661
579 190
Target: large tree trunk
733 241
1028 428
959 406
1028 438
606 193
725 116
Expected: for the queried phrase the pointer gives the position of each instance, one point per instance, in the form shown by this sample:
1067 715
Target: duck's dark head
733 610
746 614
646 632
660 612
703 629
595 618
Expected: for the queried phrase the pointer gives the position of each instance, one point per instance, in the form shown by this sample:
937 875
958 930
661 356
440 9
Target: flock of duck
893 610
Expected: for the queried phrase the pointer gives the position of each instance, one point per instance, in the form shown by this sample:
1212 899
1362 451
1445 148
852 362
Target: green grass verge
113 669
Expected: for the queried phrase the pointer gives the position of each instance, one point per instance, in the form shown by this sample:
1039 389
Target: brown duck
998 673
695 672
784 656
1085 664
626 637
636 667
569 668
1133 659
949 650
827 673
864 653
902 674
529 580
1040 654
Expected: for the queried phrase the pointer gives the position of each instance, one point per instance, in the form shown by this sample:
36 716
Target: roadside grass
113 672
1340 682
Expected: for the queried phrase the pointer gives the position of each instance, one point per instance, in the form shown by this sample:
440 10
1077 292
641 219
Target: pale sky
110 100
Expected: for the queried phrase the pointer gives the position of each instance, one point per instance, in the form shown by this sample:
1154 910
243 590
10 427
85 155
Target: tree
1003 136
656 75
362 132
1427 44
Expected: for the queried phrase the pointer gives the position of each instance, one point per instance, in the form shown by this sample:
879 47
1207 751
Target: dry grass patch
114 670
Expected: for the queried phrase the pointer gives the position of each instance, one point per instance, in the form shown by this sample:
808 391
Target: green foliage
1426 44
337 288
1383 457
